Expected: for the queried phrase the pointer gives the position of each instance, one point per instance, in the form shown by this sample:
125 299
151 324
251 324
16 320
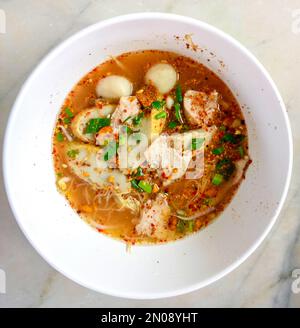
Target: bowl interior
99 262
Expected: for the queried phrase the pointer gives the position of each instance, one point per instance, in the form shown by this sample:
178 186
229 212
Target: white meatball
114 87
162 76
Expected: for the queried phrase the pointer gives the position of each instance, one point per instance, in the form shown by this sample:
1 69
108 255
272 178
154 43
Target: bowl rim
137 17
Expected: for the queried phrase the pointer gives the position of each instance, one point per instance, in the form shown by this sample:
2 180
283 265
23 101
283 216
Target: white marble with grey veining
268 28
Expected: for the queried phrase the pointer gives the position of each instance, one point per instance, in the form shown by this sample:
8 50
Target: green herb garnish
68 112
67 120
139 172
111 150
218 151
241 151
197 143
134 184
72 153
60 137
158 104
127 130
190 225
172 124
95 124
146 186
138 119
178 113
225 167
180 225
160 115
235 139
178 93
217 179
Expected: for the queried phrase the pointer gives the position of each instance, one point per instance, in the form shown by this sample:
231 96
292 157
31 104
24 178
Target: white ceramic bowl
99 262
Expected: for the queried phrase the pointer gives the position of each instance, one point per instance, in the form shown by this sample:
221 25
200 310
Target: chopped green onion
95 124
139 172
218 151
180 225
217 179
138 119
222 162
241 151
67 120
178 113
225 167
59 174
73 153
235 139
128 130
197 143
134 184
158 104
222 128
191 224
60 137
69 112
228 137
111 150
178 93
161 114
146 186
172 125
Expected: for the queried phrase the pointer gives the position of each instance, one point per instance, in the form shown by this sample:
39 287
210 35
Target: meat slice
200 108
171 155
154 218
128 108
86 161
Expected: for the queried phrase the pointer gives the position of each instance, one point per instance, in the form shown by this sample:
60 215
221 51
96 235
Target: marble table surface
271 30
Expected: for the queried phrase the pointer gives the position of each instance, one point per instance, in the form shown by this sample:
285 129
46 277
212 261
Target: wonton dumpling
162 76
114 87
